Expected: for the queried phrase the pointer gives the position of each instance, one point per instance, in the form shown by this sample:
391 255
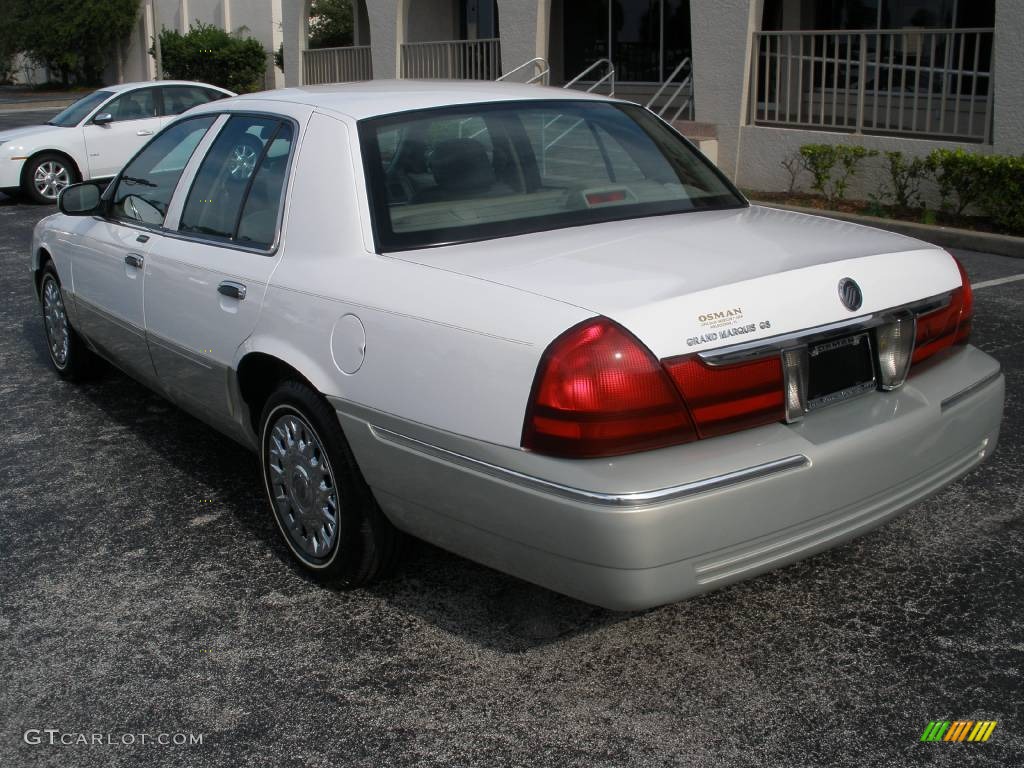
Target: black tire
70 357
67 174
365 546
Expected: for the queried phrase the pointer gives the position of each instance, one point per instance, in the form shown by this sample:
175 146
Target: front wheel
68 354
322 506
46 176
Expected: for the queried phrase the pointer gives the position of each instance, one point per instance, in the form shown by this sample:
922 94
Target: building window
879 14
645 39
478 19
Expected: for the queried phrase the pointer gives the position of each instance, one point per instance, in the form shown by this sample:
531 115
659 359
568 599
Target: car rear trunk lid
705 280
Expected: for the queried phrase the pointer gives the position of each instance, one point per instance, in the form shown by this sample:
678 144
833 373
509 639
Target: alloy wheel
50 178
242 161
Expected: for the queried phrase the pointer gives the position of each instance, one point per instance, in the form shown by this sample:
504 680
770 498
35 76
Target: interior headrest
461 165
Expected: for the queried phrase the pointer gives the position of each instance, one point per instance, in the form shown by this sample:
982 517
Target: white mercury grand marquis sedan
536 328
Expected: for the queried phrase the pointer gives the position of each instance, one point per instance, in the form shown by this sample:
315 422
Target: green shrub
905 178
794 165
210 55
1002 191
832 166
75 41
960 176
331 23
7 69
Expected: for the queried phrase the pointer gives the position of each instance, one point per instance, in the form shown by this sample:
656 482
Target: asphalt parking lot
143 590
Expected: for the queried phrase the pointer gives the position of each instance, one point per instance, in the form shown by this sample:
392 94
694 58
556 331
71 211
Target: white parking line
998 281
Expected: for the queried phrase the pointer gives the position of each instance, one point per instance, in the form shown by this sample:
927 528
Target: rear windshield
481 171
73 115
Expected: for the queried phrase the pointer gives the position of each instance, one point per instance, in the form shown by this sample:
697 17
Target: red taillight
945 327
728 398
600 392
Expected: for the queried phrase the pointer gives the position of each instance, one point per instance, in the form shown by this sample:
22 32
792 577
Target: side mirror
103 118
80 199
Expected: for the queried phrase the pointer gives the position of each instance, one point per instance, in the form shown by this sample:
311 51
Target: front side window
145 187
482 171
237 191
75 113
134 105
178 98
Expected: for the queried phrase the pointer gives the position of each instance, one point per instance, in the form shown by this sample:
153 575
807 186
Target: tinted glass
585 25
897 14
74 114
226 174
636 40
258 224
645 39
468 173
134 105
147 183
178 98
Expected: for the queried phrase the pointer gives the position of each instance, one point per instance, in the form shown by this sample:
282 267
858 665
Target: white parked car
535 328
94 137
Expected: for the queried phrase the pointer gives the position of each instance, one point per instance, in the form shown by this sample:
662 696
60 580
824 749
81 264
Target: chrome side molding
627 499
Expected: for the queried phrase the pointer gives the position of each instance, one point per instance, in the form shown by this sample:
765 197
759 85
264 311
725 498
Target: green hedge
1002 192
992 185
208 54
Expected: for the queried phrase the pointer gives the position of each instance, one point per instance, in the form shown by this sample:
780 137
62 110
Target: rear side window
258 222
178 98
236 194
147 183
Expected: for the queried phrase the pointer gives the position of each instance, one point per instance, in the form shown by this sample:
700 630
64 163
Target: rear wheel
46 175
68 354
322 506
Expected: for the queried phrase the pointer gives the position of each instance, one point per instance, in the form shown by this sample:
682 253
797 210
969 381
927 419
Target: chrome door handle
133 260
232 290
143 132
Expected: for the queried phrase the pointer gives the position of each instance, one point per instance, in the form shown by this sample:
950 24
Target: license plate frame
840 369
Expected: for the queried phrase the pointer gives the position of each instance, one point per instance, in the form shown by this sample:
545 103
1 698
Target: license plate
839 369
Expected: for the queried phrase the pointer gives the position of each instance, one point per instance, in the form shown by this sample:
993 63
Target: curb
947 237
27 106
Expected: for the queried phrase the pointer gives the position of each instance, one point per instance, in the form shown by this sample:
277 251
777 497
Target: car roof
371 98
119 87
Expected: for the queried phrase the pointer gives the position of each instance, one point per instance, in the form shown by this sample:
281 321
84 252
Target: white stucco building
261 19
766 75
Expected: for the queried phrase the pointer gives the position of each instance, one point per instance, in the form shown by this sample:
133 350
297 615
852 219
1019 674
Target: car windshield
73 115
478 171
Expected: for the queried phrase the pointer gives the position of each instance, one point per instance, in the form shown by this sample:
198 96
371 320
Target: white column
184 16
294 35
721 32
1008 79
151 65
519 26
225 14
